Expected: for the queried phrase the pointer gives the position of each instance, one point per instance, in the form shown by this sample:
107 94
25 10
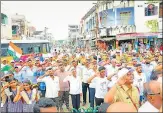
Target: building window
151 10
15 29
4 19
125 29
4 52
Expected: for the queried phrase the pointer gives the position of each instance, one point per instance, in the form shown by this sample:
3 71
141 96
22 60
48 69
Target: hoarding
151 10
110 17
125 16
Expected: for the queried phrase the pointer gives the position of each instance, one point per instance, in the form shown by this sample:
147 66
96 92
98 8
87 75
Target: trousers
64 97
85 86
92 96
75 101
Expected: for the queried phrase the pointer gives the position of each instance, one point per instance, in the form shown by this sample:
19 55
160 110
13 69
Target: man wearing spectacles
154 100
123 90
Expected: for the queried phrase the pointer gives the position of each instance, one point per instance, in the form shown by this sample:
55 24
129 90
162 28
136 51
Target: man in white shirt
111 70
86 73
92 87
101 82
154 100
52 85
75 88
139 80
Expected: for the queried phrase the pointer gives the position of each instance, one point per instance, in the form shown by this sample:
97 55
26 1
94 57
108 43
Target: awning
84 39
127 36
160 35
107 39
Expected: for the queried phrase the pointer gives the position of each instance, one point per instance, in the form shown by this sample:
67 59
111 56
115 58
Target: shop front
110 43
150 40
125 38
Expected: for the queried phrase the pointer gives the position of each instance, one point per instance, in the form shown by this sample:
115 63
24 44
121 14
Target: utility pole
97 23
45 32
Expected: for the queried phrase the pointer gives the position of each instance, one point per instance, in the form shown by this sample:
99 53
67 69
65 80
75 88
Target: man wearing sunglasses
154 100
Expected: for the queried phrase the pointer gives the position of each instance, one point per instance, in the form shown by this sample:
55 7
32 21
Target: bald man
154 99
121 107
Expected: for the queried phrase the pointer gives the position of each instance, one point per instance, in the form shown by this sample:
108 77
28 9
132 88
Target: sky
55 15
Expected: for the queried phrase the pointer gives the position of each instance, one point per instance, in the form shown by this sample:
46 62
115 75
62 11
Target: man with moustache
139 80
50 81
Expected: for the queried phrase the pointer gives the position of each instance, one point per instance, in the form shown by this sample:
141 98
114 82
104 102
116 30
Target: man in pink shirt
64 86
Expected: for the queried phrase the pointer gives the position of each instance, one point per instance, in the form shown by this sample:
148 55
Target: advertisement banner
110 17
125 16
102 19
151 9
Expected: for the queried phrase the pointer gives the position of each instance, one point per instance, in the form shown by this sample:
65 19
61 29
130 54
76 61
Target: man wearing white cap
123 90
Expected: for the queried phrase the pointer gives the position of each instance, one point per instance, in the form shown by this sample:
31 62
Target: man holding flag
14 51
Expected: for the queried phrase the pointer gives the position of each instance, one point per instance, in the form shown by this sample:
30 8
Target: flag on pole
6 68
14 51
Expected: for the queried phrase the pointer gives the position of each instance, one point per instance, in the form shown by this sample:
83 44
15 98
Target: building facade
74 37
125 21
19 26
6 27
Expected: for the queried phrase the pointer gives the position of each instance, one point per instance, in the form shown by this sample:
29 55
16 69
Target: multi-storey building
74 36
19 26
88 25
6 29
125 21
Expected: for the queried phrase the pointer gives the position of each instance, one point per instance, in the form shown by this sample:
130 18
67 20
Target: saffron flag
14 51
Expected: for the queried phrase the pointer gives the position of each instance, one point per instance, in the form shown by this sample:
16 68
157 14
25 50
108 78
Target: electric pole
97 23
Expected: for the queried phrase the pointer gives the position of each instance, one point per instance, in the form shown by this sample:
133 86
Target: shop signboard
125 16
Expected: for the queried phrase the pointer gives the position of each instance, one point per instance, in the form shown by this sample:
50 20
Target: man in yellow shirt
118 56
123 90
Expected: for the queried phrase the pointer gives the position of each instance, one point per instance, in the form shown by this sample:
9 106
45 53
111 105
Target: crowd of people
115 81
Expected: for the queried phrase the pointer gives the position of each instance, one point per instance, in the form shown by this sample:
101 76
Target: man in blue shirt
42 86
147 69
18 74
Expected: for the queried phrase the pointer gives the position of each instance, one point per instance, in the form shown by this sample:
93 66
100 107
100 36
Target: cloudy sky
56 15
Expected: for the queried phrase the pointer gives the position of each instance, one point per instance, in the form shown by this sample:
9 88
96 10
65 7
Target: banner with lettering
125 16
